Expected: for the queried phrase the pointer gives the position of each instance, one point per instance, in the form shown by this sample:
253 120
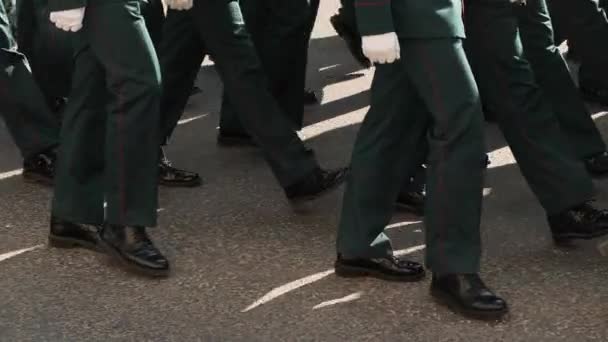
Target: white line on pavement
284 289
402 252
349 298
188 120
402 224
12 254
10 174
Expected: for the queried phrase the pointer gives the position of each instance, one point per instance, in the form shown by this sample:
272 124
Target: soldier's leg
552 74
507 84
413 99
48 49
440 71
392 132
181 54
118 37
586 27
23 107
232 132
245 84
154 17
79 185
283 50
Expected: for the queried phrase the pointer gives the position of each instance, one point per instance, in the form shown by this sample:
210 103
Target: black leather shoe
468 295
598 164
40 168
173 177
388 268
351 38
317 184
134 249
226 139
65 234
411 202
310 98
581 222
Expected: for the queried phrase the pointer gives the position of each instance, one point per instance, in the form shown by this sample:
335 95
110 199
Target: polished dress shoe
310 98
598 164
173 177
65 234
317 184
468 295
387 268
40 168
411 202
351 38
228 139
581 222
134 249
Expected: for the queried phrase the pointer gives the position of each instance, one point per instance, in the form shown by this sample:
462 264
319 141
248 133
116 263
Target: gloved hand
382 48
518 2
179 5
70 20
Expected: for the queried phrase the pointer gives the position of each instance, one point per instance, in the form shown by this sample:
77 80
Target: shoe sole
180 185
361 272
454 306
136 268
69 243
37 179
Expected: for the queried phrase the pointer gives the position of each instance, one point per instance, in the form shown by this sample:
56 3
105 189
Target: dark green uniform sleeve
374 16
63 5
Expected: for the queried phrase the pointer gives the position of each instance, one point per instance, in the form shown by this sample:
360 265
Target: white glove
179 5
382 48
70 20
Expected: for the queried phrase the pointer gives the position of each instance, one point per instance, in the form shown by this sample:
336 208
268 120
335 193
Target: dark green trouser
586 27
49 49
429 95
552 74
216 27
280 33
109 146
22 105
154 17
507 84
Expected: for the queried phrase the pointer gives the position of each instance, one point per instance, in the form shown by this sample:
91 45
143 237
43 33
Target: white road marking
284 289
12 254
10 174
296 284
329 125
407 251
402 224
349 298
188 120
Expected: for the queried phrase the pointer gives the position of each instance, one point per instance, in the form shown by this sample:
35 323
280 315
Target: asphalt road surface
249 267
